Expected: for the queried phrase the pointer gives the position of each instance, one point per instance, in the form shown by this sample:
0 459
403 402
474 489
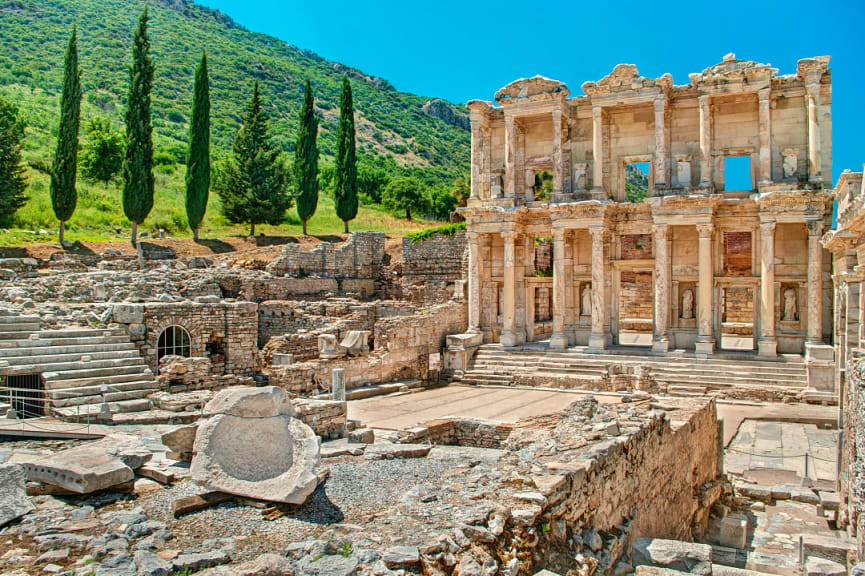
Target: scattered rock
14 502
673 554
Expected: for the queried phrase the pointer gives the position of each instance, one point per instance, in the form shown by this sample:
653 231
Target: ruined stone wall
852 471
288 317
460 432
439 258
361 256
327 418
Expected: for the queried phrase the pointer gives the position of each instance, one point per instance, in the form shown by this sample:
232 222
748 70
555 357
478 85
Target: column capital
559 234
815 228
598 233
509 236
660 103
597 111
705 230
703 100
472 236
767 228
660 230
764 94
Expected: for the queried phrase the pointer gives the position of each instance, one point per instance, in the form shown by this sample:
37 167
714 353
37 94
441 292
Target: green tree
253 184
405 194
198 158
461 189
64 170
102 154
371 181
345 193
306 159
441 203
12 182
138 163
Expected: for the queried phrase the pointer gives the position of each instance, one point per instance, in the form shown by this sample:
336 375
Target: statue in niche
789 305
586 305
688 304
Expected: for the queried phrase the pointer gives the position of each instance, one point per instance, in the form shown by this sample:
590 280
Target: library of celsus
699 261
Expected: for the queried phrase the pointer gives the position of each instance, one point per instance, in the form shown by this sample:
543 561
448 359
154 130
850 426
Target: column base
705 347
661 345
597 341
767 347
558 341
599 194
510 339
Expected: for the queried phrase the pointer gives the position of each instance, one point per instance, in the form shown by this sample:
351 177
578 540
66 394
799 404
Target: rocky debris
250 445
822 567
95 466
264 565
14 502
673 554
445 111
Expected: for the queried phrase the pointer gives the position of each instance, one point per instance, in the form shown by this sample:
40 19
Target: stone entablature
685 132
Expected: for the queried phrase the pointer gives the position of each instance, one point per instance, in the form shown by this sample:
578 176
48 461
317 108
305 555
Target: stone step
14 319
58 394
14 330
65 341
48 350
99 380
122 412
66 367
614 354
82 371
94 356
114 396
588 361
665 360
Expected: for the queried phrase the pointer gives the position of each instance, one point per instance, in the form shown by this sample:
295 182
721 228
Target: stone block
361 436
734 532
180 439
128 313
827 548
14 502
283 359
251 446
657 571
673 554
823 567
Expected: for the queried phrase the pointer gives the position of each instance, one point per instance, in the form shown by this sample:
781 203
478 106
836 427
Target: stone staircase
682 373
80 368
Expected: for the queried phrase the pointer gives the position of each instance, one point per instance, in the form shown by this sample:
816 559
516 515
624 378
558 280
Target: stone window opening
738 174
173 341
637 179
215 350
543 185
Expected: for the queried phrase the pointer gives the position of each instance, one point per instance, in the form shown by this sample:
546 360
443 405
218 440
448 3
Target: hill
395 133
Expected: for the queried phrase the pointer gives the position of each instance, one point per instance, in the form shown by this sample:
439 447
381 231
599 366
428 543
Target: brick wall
361 256
439 258
737 253
637 247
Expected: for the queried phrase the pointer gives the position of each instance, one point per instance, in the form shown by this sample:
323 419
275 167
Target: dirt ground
229 249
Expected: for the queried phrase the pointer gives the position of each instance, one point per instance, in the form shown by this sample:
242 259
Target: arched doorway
173 341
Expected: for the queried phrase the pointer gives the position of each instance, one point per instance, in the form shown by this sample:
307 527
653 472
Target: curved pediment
732 70
536 89
625 78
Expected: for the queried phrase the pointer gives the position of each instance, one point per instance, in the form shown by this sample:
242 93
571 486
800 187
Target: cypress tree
138 162
345 194
64 170
306 159
12 182
198 158
253 184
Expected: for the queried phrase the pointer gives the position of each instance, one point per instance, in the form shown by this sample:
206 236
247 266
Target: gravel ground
358 491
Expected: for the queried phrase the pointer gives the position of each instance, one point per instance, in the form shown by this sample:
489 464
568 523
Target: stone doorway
737 317
25 393
635 307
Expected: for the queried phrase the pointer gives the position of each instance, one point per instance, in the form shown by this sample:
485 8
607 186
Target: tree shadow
157 251
262 240
216 245
329 238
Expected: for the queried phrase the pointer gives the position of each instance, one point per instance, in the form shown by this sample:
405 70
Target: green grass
447 230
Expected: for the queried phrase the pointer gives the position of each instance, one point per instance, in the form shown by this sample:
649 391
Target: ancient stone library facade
700 263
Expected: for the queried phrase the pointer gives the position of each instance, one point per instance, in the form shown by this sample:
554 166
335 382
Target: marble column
477 146
510 156
558 339
768 344
660 142
558 163
814 163
598 338
597 150
705 142
765 114
705 290
509 334
661 340
474 283
815 282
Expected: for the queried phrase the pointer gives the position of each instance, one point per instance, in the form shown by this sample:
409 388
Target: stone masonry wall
361 256
327 418
852 472
437 259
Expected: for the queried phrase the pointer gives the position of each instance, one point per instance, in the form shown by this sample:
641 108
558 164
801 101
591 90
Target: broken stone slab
361 436
823 567
90 467
356 341
329 565
264 565
401 556
394 451
673 554
14 502
724 570
658 571
180 440
827 548
251 446
734 532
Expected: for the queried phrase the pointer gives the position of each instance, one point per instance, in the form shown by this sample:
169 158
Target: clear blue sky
465 50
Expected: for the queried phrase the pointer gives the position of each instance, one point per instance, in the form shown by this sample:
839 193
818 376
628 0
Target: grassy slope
393 132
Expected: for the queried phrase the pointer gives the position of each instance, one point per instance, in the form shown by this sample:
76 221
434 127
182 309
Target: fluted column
705 142
474 283
558 163
510 156
768 344
477 146
558 339
661 341
598 338
814 163
509 334
660 142
597 150
765 135
705 290
815 282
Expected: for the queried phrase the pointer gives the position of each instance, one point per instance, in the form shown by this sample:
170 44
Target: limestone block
817 546
356 342
180 439
14 502
361 436
823 567
328 347
127 313
657 571
673 554
734 532
251 446
283 359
